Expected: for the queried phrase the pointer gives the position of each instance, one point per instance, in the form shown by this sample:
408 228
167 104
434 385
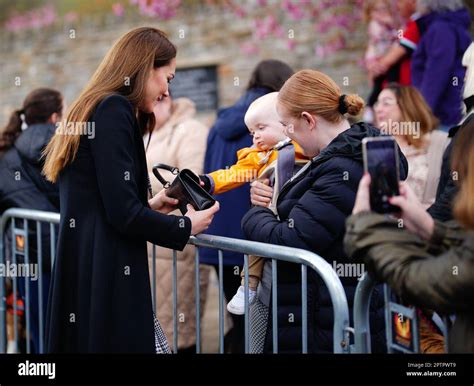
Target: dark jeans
234 340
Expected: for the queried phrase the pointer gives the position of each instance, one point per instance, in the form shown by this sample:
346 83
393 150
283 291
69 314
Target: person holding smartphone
100 297
381 162
429 263
312 207
401 111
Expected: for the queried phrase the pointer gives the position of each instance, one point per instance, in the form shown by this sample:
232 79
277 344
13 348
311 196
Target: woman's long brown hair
462 163
414 109
124 70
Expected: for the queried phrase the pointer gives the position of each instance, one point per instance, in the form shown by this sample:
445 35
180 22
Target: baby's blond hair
262 110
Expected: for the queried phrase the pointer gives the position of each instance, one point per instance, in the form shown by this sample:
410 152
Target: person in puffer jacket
226 137
312 209
23 186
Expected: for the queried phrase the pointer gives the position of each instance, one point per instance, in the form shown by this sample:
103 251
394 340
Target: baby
272 156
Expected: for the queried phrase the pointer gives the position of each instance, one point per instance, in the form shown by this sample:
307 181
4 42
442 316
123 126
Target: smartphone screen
381 161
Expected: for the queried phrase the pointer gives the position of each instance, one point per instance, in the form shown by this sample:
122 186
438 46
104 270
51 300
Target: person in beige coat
401 111
178 140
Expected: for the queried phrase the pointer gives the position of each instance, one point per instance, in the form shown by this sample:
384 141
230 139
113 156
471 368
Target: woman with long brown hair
401 111
100 298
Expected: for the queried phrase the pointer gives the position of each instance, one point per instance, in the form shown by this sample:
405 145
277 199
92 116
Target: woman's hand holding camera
414 216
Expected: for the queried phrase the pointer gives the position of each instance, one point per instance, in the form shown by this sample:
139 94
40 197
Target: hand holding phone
381 161
414 215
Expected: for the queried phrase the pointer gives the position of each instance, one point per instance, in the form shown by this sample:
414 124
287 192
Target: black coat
442 208
23 186
100 298
313 208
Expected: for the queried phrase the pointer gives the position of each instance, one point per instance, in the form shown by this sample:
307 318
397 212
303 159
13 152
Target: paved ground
210 323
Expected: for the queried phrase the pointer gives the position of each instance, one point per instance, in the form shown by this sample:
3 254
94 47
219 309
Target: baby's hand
205 182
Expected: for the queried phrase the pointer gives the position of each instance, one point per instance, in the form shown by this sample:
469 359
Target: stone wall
64 57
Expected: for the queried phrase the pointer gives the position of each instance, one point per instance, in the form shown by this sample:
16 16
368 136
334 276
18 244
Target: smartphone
382 162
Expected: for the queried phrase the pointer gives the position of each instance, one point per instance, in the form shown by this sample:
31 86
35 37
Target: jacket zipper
316 161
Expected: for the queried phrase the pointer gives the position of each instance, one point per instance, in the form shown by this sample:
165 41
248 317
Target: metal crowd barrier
363 294
274 252
20 247
361 311
294 255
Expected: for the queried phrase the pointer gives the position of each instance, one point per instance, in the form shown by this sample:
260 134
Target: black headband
342 105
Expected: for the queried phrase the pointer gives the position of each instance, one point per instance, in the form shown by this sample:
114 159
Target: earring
24 125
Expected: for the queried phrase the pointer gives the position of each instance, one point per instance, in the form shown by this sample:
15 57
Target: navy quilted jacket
312 208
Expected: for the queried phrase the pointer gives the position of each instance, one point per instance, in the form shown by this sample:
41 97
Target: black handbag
185 188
